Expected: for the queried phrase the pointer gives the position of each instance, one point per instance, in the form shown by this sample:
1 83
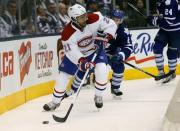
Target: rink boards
28 67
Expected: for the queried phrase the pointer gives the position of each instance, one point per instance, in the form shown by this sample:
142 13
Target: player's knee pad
101 75
158 47
118 68
172 53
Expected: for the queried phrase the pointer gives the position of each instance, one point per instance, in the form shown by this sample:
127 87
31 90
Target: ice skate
171 77
51 106
68 93
98 101
116 93
161 80
89 82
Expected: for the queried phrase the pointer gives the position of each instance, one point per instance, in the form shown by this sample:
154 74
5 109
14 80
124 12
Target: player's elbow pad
127 51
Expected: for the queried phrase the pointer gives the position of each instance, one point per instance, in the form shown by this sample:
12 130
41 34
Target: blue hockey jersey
122 40
169 15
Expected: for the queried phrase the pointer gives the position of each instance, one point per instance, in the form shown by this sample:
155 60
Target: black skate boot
87 81
116 92
161 74
98 101
171 76
51 106
69 93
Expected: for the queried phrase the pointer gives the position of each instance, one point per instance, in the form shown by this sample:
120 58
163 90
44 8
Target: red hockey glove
102 38
84 64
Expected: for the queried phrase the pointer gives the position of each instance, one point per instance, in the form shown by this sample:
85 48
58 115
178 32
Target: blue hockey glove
118 57
84 64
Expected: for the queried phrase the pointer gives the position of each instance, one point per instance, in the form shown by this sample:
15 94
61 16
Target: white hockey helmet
75 11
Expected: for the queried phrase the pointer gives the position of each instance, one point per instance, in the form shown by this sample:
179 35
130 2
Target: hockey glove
118 58
152 20
84 64
102 39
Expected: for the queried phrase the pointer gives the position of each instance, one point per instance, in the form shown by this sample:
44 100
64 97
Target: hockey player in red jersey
80 44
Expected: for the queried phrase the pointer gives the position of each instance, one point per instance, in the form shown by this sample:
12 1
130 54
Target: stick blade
63 119
59 119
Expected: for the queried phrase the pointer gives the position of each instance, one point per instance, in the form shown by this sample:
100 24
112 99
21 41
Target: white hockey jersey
77 43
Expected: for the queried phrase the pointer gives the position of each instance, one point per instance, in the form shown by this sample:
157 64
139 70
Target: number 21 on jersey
66 47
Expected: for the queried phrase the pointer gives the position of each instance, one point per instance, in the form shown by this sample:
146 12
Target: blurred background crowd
32 17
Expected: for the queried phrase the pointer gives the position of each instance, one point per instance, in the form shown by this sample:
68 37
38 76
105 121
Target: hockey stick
63 119
133 7
157 78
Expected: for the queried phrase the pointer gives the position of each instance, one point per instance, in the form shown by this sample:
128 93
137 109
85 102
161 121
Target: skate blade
168 81
98 109
116 97
160 82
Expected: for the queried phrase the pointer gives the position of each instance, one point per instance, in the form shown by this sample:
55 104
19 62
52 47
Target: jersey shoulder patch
67 32
92 18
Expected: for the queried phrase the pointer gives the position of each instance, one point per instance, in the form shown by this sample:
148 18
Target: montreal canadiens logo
85 41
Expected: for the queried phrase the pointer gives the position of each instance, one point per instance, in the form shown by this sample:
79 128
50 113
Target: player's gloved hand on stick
117 58
102 38
84 64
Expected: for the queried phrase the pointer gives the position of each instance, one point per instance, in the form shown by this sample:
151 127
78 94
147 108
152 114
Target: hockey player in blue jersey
168 20
119 50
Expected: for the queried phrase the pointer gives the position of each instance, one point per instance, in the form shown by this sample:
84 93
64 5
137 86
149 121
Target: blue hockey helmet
118 14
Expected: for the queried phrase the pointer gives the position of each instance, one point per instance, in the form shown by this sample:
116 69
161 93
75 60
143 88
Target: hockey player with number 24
80 44
168 20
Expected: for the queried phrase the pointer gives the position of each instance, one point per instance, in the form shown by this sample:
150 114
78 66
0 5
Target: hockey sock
116 80
77 80
172 54
159 59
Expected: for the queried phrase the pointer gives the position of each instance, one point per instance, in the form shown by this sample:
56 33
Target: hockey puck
45 122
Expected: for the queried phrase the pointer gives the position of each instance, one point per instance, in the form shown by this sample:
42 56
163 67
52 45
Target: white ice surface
141 108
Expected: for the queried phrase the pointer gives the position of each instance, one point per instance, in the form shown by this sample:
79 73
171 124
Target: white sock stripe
116 79
116 84
172 68
117 74
158 55
159 59
76 82
172 64
75 86
78 79
172 61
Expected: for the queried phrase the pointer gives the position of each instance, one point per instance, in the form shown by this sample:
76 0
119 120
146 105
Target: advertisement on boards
8 73
38 60
25 59
143 41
